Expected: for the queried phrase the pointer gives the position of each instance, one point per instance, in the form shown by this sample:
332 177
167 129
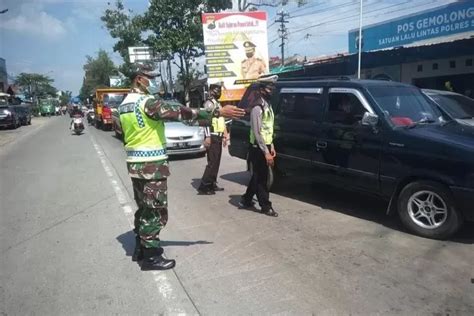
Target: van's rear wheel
427 209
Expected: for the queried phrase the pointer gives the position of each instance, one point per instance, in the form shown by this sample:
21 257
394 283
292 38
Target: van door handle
321 145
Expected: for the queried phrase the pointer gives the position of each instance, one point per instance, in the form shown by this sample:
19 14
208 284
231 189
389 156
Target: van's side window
345 108
301 106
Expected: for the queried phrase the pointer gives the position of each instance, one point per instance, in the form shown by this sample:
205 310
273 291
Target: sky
53 37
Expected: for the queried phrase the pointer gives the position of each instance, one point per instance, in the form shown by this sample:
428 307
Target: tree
97 73
127 28
35 85
173 27
65 97
177 31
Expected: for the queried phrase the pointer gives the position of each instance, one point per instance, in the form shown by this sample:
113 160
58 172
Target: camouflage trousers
151 217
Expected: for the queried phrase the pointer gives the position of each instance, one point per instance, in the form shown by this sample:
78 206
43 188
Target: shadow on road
351 203
128 242
195 183
234 201
241 177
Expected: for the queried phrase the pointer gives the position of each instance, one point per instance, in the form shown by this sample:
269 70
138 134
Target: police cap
215 85
265 81
145 69
249 46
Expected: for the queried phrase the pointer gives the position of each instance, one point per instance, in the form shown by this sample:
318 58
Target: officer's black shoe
205 191
153 260
138 251
269 211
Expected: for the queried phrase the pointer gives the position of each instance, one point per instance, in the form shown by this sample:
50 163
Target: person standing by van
261 152
215 136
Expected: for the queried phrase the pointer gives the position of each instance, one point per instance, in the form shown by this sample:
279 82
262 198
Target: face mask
249 55
153 87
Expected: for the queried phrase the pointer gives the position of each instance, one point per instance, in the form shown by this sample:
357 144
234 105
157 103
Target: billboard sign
236 50
450 19
142 54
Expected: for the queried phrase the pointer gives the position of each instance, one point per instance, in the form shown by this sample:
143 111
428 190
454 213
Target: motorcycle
90 117
78 125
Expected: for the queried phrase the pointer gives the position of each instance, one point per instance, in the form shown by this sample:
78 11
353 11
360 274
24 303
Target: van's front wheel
427 209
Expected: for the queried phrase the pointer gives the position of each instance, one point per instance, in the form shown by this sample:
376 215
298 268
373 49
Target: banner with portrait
236 50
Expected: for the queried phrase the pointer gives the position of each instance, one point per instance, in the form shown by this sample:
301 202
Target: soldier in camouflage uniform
142 118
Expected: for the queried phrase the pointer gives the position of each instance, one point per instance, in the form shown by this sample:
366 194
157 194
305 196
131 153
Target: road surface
66 241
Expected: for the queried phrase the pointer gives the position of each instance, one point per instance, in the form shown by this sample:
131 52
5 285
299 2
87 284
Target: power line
356 15
307 35
341 5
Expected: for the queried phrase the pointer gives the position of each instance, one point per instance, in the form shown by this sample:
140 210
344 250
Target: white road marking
165 287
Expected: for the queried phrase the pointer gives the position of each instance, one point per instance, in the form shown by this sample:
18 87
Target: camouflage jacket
166 110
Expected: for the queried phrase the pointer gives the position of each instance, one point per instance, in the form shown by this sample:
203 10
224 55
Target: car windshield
458 106
113 99
404 106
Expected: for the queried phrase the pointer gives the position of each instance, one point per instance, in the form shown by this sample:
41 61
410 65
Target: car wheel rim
427 209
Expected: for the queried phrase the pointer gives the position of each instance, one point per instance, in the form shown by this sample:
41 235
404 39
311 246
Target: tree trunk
170 76
188 82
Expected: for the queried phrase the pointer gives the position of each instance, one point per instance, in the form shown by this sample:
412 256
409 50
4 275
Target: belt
217 134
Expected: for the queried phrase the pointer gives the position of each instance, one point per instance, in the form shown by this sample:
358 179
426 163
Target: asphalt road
65 230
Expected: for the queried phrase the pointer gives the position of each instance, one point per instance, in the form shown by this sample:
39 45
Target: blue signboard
446 20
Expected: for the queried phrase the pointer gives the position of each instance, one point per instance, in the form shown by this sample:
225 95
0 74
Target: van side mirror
370 119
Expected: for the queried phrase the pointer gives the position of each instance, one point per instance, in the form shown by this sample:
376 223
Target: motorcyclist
75 111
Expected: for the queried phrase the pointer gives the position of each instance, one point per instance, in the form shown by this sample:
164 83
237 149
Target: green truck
47 107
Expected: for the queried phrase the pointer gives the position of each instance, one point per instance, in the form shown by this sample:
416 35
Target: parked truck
106 101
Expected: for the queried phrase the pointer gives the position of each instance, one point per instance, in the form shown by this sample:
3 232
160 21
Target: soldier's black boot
138 251
216 188
153 260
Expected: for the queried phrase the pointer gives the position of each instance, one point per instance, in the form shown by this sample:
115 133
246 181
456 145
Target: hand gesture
231 111
269 159
207 142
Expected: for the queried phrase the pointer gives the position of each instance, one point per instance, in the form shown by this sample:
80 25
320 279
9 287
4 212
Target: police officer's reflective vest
266 129
218 123
144 138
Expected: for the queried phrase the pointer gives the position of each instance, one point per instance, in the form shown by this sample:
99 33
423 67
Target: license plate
180 145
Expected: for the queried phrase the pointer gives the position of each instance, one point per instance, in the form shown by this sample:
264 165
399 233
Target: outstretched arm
158 109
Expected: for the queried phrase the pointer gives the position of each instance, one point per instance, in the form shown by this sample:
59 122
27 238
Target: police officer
261 151
252 67
142 117
215 135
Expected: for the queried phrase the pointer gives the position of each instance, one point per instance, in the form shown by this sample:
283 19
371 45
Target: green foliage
65 97
172 29
97 73
35 85
127 29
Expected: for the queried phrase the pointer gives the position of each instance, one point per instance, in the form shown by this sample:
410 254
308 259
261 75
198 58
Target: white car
184 139
458 107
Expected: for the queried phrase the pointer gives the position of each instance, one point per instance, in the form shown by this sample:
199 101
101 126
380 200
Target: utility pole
360 41
282 32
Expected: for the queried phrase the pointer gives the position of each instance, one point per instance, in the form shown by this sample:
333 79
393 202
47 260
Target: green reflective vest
217 123
144 138
266 129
